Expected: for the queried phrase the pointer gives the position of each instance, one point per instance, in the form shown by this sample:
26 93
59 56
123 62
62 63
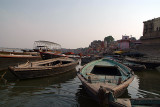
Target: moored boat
18 56
102 76
12 59
133 102
43 68
135 67
50 55
45 46
131 65
148 62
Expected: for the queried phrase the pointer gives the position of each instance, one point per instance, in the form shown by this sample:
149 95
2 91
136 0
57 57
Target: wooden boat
50 55
133 54
43 68
12 59
104 75
45 46
18 56
17 53
133 102
135 67
131 65
148 62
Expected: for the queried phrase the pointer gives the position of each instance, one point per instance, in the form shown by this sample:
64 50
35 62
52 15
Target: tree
109 39
133 39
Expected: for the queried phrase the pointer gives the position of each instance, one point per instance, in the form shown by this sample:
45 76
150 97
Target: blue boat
104 75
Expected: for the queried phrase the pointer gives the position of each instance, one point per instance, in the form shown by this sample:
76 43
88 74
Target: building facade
123 44
151 31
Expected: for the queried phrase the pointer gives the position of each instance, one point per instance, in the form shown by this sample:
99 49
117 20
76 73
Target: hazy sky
72 23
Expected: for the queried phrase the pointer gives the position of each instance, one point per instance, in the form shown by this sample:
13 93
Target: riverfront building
123 44
151 32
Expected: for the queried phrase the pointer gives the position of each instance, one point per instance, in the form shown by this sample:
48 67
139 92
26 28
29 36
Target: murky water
66 90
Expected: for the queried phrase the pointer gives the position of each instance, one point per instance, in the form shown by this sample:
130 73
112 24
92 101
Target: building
151 32
113 45
123 44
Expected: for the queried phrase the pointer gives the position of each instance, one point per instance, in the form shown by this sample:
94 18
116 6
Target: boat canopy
119 52
46 45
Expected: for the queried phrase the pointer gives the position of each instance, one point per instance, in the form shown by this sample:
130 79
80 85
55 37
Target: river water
66 90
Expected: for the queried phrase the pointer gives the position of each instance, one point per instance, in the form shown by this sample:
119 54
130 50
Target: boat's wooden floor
39 63
107 85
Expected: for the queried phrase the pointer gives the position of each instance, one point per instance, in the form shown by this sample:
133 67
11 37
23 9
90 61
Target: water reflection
52 91
145 85
84 99
133 89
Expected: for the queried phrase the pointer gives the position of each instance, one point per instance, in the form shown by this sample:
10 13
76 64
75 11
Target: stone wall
151 32
150 50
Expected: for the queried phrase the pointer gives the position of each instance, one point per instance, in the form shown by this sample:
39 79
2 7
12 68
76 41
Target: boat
87 59
44 46
133 102
148 62
131 65
73 55
118 52
133 54
50 55
135 67
43 68
104 75
18 56
12 59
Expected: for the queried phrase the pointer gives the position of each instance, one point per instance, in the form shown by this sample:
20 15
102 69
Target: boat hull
118 91
41 72
147 63
12 61
46 55
135 67
98 85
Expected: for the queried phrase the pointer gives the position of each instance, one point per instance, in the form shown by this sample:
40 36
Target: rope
146 91
2 78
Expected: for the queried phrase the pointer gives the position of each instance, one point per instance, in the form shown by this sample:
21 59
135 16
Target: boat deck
43 62
106 85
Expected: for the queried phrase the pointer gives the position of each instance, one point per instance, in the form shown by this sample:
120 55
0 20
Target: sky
72 23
